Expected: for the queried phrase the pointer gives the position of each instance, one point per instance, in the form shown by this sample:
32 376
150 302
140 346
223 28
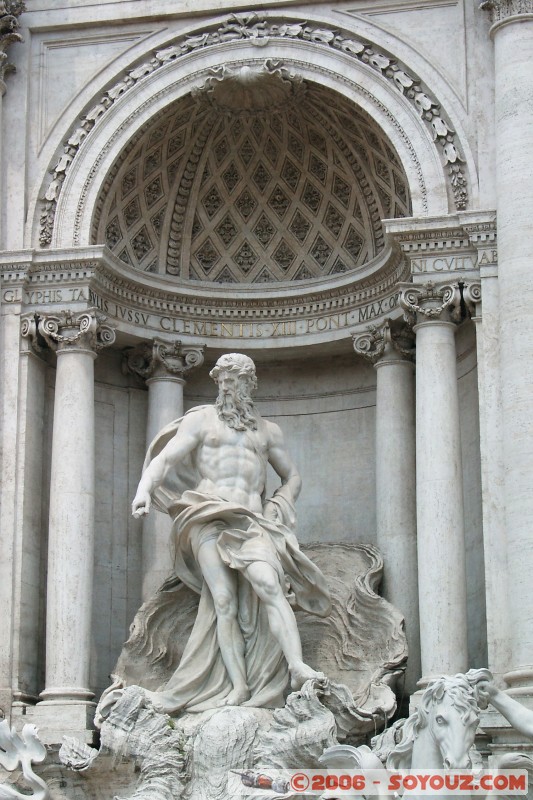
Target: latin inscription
43 296
446 263
207 329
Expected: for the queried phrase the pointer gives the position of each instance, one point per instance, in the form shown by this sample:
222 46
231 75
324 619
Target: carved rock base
197 755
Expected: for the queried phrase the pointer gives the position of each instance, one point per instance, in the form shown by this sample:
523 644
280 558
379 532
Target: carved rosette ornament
162 359
432 302
501 10
67 330
385 342
10 11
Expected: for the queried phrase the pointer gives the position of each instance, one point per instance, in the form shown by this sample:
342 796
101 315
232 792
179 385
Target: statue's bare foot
300 673
236 697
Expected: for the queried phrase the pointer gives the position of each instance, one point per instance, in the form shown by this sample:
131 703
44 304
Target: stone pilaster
512 33
28 542
433 311
163 365
392 353
9 34
76 339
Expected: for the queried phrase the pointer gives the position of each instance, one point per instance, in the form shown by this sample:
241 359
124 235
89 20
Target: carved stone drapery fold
64 330
161 358
503 9
384 341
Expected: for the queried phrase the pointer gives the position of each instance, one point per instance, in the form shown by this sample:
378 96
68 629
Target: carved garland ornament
431 301
162 358
258 31
382 341
66 329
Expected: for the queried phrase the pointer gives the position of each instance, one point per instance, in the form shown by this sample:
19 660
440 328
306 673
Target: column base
56 720
520 680
502 740
62 695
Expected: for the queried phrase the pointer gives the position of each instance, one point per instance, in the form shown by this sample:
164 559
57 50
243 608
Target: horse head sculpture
441 732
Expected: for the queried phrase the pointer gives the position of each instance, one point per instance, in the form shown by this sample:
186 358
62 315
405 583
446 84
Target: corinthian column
392 353
512 33
163 365
433 311
76 338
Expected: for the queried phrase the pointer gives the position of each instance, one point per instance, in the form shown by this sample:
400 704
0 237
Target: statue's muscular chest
220 437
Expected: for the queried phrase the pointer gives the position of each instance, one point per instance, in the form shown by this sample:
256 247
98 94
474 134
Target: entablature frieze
455 249
446 247
144 306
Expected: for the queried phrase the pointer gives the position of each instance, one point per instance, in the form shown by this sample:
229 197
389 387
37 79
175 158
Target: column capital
431 302
472 299
503 10
68 330
385 343
10 11
161 359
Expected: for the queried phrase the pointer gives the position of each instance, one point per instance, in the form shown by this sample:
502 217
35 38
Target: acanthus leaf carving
10 11
502 9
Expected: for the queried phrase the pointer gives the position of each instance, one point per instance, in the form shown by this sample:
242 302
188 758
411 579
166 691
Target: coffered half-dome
253 178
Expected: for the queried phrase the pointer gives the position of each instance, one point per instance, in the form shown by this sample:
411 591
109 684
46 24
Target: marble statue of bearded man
234 547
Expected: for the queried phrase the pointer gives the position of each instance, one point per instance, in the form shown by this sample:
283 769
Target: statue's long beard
236 409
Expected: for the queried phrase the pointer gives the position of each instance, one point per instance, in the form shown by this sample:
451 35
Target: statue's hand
485 692
141 504
270 511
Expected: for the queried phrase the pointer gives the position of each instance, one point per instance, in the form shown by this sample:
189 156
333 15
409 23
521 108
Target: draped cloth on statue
243 537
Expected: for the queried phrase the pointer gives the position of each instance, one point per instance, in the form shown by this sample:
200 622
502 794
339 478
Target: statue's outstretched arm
520 717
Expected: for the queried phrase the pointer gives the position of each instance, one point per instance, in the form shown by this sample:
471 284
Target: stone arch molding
406 111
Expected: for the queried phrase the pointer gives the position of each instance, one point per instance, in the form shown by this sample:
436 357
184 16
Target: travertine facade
340 190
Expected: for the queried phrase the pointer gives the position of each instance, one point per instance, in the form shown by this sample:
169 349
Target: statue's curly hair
236 362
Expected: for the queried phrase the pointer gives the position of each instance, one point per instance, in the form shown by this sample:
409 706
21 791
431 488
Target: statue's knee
225 604
267 585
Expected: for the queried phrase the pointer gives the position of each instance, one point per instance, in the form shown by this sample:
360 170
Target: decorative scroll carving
431 302
10 11
259 31
502 9
383 341
472 297
162 358
64 330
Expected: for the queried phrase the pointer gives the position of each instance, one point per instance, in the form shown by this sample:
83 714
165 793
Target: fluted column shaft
163 365
76 338
513 46
439 485
392 354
